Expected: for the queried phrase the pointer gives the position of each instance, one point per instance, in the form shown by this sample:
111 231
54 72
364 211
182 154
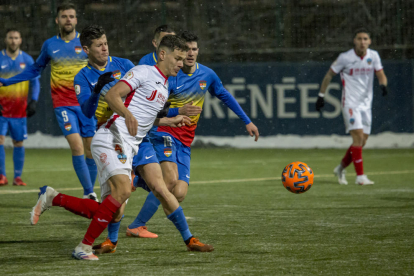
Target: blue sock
113 229
93 170
2 160
149 208
18 160
81 170
177 217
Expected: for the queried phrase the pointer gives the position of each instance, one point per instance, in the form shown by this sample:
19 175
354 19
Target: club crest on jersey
22 65
203 84
369 61
130 75
77 89
68 126
352 121
152 97
78 49
117 74
167 152
122 158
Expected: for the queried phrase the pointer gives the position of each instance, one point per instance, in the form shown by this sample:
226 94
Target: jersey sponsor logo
152 97
93 83
77 89
22 65
157 82
182 86
167 152
369 61
148 157
68 126
116 74
78 49
203 84
130 75
3 66
55 51
103 157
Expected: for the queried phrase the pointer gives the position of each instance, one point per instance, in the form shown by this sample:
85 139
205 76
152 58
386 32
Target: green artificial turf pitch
237 203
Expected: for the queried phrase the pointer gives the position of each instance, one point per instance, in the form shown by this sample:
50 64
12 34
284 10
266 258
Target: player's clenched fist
131 123
190 110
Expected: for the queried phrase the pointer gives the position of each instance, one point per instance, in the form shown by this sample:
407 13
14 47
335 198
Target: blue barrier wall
280 99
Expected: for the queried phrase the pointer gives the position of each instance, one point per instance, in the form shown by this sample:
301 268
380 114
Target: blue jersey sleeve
34 83
217 89
31 71
128 65
86 98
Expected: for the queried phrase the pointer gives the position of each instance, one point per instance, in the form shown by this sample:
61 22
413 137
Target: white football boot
363 180
44 202
340 173
84 252
92 196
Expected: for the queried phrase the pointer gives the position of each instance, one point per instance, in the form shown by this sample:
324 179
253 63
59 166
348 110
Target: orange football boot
196 245
140 232
3 180
18 182
106 247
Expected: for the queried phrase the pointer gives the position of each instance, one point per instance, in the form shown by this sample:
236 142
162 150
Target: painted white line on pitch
215 181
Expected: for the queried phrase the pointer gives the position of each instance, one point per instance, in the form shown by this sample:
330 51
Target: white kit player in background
356 67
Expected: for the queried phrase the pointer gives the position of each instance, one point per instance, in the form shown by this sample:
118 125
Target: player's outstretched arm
253 131
114 100
177 121
31 72
320 103
383 81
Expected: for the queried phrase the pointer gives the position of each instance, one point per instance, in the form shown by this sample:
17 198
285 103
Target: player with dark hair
138 97
173 146
13 104
64 52
357 67
159 33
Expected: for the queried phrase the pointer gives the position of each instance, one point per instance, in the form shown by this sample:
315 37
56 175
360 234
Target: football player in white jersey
357 67
136 100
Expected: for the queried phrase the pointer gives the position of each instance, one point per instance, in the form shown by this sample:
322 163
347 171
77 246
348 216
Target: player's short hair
90 33
13 30
189 36
163 29
362 30
173 42
65 6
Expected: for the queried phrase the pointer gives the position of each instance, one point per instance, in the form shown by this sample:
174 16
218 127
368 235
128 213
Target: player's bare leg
93 170
79 163
3 179
170 174
149 173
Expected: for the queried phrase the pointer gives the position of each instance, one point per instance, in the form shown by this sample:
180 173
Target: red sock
357 159
83 207
347 158
101 219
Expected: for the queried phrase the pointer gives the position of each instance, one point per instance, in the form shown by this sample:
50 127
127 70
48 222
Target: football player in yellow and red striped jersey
13 104
64 53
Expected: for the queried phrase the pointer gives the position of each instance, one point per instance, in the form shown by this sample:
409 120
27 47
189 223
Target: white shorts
112 156
357 118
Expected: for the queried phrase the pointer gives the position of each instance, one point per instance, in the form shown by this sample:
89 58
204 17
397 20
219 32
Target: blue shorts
17 128
72 120
146 155
171 149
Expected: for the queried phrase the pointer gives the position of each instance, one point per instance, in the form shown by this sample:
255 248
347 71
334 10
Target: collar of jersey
154 56
6 55
192 74
67 41
103 69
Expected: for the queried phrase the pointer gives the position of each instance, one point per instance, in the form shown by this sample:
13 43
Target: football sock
101 219
177 217
93 170
113 229
84 207
82 172
347 158
357 159
149 208
18 160
2 160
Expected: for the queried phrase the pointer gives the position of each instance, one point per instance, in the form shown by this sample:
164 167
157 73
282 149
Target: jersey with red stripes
149 92
357 74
